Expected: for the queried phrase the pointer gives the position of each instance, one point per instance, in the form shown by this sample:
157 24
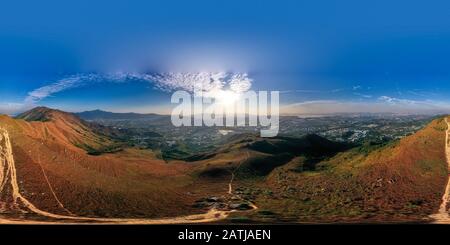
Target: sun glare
226 97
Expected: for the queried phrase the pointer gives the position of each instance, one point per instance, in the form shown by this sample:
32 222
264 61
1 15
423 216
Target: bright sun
226 97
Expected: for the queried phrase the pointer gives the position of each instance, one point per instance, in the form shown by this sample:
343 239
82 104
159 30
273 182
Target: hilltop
58 149
68 129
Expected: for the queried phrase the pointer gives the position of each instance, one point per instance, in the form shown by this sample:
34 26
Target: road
11 195
442 216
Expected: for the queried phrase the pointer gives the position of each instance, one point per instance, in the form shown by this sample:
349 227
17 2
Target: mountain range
100 114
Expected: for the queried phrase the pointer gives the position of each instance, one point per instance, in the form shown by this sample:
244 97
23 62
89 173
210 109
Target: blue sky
324 56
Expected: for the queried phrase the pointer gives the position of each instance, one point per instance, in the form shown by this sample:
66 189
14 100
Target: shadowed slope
265 154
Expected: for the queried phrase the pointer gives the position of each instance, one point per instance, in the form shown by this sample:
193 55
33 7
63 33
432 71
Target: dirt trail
50 187
8 179
230 184
442 216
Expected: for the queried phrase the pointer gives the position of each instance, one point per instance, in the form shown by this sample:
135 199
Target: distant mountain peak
44 114
101 114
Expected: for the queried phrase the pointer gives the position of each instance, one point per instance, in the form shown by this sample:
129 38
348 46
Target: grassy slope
129 183
256 157
401 181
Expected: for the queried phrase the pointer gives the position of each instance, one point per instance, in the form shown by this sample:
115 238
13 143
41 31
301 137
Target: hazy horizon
306 115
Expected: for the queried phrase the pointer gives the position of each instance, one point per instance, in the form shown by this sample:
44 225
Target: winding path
230 184
51 188
10 191
442 216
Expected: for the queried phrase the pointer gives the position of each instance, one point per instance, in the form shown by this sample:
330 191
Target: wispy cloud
422 93
384 104
357 87
324 91
238 82
367 96
74 81
206 81
394 100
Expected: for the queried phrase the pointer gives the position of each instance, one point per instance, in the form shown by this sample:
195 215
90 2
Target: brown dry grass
403 181
130 183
